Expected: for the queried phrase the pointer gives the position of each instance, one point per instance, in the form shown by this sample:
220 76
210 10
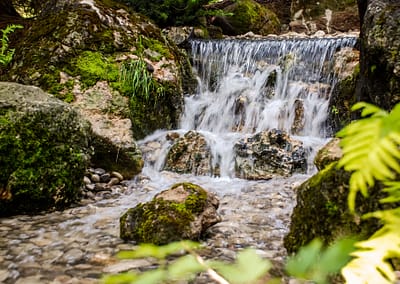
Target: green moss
322 210
38 167
248 15
93 67
158 47
163 221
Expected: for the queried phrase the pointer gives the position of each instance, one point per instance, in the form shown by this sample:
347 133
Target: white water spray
248 86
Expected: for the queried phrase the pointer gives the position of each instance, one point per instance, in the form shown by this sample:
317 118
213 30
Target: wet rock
127 265
184 211
37 125
190 154
95 178
72 256
117 175
86 180
330 153
379 81
269 154
298 121
105 177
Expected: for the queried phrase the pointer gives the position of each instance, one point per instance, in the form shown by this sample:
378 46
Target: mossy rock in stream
322 210
44 151
248 15
184 211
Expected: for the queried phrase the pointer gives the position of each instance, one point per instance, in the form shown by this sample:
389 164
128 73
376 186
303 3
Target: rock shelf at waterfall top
295 35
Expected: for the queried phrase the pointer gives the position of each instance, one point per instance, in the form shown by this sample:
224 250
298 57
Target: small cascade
248 86
254 85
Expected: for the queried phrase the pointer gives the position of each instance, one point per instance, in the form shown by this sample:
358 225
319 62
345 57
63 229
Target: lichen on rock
184 211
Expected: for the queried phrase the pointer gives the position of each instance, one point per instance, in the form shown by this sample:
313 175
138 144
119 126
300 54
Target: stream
245 86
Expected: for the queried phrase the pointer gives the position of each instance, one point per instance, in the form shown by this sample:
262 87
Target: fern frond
370 264
393 189
370 148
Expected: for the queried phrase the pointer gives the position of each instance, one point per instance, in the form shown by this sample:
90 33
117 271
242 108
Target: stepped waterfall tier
253 85
247 87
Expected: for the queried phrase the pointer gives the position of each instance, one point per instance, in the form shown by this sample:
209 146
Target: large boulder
184 211
85 42
108 112
244 16
269 154
379 81
190 154
322 211
44 150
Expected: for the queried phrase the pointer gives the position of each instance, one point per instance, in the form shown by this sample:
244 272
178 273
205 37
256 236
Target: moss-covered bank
322 210
69 51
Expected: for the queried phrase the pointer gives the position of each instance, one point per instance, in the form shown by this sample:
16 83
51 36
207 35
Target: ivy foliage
371 151
6 53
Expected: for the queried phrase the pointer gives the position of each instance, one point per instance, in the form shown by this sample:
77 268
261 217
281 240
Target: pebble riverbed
79 245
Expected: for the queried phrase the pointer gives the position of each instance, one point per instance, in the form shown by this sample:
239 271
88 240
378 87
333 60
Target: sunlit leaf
248 268
185 267
125 278
301 263
159 252
151 277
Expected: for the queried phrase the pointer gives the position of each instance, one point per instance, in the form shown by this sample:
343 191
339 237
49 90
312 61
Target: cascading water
247 86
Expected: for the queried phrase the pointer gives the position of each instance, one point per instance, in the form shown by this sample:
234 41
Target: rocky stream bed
79 245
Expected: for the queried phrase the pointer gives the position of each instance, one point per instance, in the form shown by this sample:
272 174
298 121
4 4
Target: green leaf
151 277
301 263
184 268
159 252
125 278
248 268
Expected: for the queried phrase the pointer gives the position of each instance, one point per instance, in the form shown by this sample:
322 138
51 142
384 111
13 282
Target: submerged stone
185 211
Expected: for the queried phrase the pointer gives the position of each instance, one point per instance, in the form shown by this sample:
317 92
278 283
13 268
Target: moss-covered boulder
322 210
379 81
69 51
184 211
247 15
44 150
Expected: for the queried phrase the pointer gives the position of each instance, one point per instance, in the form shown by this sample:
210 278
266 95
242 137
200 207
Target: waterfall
248 86
252 85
